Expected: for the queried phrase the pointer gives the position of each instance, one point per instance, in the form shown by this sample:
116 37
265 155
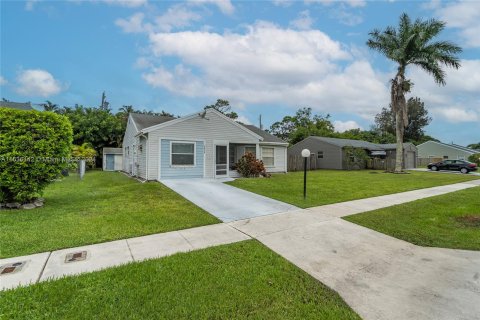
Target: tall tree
50 106
412 44
224 107
303 124
418 119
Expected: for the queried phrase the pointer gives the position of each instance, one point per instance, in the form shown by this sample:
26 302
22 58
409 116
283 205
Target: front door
221 161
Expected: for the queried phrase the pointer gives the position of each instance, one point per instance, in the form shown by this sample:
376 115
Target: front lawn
237 281
449 221
104 206
331 186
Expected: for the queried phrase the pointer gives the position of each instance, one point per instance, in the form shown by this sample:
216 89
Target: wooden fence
296 163
381 164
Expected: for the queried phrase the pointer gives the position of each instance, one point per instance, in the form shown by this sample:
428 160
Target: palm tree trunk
399 108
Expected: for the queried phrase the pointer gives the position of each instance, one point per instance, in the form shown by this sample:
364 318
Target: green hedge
33 148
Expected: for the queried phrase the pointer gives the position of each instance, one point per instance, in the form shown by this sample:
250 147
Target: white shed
112 159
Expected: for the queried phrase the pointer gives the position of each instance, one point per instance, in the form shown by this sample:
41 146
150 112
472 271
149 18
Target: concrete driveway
379 276
226 202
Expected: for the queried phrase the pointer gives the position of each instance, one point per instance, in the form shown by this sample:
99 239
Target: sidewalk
71 261
42 266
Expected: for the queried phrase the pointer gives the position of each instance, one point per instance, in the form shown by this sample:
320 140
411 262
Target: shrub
85 151
475 158
249 166
33 148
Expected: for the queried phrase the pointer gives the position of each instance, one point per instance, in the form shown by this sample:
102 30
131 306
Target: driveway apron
226 202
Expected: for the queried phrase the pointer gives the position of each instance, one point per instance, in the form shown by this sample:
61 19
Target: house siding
435 150
332 155
142 158
213 128
168 171
128 141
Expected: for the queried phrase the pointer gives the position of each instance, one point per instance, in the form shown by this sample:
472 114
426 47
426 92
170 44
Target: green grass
331 186
103 206
237 281
431 222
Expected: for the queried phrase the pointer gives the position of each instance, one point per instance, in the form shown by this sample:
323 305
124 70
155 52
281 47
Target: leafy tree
418 119
373 135
34 147
86 152
475 146
49 106
412 44
302 125
224 107
475 158
98 127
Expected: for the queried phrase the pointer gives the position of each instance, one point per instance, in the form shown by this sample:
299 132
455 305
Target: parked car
454 165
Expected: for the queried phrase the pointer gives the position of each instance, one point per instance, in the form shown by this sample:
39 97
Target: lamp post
305 155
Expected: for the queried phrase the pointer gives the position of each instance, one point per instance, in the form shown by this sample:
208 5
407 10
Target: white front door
221 161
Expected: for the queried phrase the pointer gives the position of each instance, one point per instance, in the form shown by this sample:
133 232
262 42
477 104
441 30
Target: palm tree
412 44
49 106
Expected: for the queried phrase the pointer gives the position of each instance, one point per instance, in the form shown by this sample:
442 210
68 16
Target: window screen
183 153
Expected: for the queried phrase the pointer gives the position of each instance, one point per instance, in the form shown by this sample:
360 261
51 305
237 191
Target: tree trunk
399 107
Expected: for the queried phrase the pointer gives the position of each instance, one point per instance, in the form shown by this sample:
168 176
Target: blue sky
265 57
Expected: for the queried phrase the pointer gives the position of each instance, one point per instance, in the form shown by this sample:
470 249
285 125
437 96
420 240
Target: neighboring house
205 144
112 159
330 152
433 149
16 105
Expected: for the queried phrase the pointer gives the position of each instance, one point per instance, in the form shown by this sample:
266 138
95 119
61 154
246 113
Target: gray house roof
16 105
147 120
267 137
349 143
112 151
393 146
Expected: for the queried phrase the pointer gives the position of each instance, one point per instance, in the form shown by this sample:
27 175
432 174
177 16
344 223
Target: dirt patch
472 221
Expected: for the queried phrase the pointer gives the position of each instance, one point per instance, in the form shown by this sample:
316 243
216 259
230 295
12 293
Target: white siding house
201 145
112 159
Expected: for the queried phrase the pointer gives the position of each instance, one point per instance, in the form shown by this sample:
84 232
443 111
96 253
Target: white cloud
283 3
464 15
342 126
351 3
3 81
126 3
268 64
457 114
177 16
459 100
37 82
133 24
225 6
30 5
243 119
303 22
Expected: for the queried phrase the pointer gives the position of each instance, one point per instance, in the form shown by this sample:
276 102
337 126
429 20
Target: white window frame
273 156
194 154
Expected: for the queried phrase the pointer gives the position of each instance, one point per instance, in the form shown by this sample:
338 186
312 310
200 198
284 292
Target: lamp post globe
305 155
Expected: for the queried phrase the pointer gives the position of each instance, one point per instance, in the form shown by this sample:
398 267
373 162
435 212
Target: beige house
433 149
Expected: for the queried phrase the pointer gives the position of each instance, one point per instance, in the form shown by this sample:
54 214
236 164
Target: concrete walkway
48 265
226 202
379 276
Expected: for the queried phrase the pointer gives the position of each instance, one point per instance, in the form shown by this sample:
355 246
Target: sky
267 58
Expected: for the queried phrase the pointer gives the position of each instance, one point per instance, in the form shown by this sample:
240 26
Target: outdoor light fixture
305 155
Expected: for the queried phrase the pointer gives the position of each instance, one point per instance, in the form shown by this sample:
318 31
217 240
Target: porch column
257 151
